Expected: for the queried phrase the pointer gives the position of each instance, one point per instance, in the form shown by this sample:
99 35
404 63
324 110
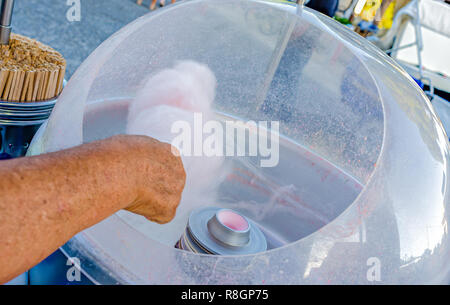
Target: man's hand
160 178
47 199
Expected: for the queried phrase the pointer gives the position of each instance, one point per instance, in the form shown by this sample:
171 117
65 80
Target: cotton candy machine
359 192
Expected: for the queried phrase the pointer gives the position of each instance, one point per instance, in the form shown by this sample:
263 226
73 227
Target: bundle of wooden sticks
30 71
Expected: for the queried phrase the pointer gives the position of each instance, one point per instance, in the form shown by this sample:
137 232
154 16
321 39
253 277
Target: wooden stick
62 71
47 82
55 84
49 85
22 85
10 88
37 81
43 85
39 87
19 86
8 85
30 90
23 94
13 85
3 79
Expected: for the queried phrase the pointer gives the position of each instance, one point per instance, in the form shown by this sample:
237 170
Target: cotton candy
172 95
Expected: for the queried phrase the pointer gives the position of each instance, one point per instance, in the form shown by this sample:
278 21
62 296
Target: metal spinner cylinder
220 231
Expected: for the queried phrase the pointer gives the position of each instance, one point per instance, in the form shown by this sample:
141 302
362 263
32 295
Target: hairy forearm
45 200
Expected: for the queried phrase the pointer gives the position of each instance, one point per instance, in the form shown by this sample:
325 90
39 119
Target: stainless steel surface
19 123
227 235
6 11
205 233
25 113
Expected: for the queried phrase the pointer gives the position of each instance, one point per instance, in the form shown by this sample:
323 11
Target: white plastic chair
419 40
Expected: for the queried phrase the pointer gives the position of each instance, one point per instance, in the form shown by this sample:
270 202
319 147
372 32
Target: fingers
160 179
158 211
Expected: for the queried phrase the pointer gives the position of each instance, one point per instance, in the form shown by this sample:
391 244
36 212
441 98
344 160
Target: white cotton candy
169 96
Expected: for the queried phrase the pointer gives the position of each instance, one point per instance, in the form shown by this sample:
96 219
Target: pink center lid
232 220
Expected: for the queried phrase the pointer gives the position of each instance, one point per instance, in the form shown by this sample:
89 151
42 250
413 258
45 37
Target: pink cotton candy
173 95
189 85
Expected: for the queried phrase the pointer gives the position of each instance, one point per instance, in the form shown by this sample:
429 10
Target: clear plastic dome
361 190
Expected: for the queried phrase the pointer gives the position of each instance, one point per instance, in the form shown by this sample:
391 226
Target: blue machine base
53 271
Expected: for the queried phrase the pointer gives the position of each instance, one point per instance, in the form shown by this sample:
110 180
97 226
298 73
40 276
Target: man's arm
47 199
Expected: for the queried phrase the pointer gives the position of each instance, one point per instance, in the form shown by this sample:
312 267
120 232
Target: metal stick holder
18 124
